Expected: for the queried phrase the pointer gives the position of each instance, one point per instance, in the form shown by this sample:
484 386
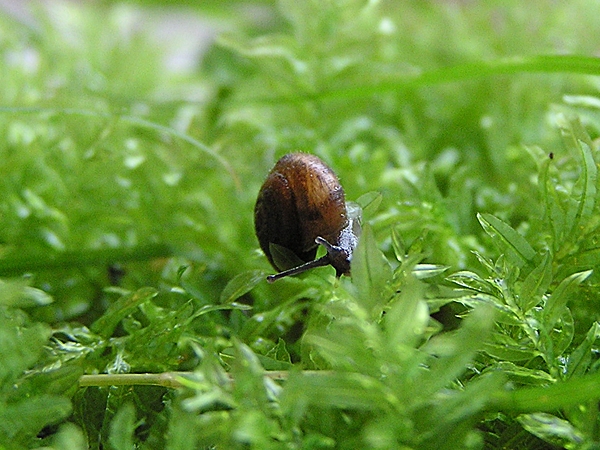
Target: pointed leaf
370 272
504 314
20 347
524 375
370 202
69 436
575 391
536 284
509 353
122 428
278 358
240 285
424 271
584 191
452 352
445 422
120 309
552 429
554 214
507 239
474 282
17 293
398 245
406 320
558 300
580 359
329 389
555 341
27 417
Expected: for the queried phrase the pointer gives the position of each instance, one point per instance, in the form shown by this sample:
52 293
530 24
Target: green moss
468 132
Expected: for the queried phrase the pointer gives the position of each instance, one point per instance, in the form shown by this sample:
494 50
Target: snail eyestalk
336 256
322 261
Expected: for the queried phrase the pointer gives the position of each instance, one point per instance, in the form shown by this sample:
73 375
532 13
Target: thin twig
166 379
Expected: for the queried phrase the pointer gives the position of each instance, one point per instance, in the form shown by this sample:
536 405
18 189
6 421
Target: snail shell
302 205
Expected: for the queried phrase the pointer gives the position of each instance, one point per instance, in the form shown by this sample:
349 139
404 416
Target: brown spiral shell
301 204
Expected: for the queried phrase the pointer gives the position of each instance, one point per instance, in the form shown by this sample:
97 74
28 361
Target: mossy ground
468 133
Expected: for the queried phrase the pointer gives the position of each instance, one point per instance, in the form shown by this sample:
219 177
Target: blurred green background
134 124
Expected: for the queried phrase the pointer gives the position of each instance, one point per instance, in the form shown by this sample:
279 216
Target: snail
300 206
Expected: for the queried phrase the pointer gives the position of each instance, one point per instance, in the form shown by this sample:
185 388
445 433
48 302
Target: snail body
300 206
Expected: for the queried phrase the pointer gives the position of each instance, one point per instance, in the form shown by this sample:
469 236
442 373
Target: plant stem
570 64
167 379
14 265
550 398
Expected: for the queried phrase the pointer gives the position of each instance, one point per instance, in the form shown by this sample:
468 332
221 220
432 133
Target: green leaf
555 340
227 306
524 375
424 271
261 322
536 284
27 417
278 358
122 428
573 392
473 281
120 309
580 358
553 308
33 262
342 343
554 210
60 381
552 429
507 239
370 203
181 422
69 436
398 245
514 352
585 259
452 352
371 273
335 390
240 285
504 314
448 424
405 321
17 293
584 190
283 257
21 344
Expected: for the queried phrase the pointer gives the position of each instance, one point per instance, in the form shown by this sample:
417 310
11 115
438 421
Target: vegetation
134 311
